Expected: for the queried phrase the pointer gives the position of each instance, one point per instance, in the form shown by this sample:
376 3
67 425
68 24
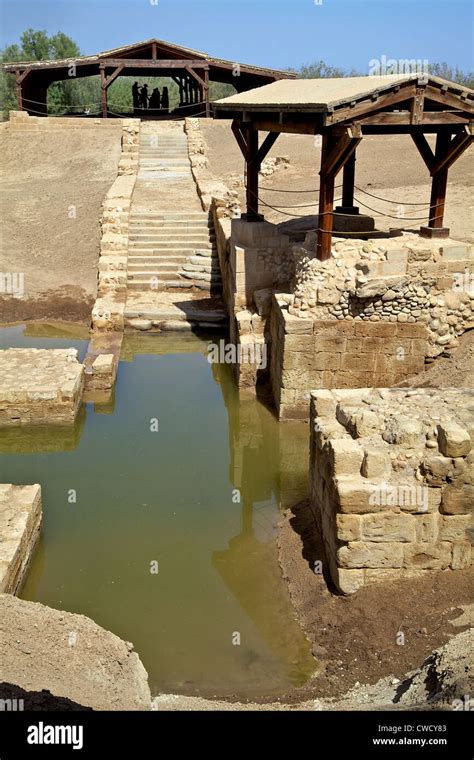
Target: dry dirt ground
389 166
51 191
355 637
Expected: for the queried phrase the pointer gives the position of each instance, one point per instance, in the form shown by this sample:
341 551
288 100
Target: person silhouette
135 96
165 101
144 96
155 100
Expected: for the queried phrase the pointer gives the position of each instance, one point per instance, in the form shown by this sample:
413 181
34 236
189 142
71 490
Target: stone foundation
40 386
20 524
392 487
310 353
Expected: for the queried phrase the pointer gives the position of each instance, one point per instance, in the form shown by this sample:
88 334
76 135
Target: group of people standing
155 101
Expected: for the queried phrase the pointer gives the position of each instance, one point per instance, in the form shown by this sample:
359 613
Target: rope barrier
386 200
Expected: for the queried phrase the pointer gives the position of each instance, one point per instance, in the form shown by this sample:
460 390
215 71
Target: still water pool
197 499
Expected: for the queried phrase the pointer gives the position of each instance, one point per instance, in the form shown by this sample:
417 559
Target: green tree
62 96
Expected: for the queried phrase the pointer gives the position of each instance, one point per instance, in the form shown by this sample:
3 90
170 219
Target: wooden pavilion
343 111
191 70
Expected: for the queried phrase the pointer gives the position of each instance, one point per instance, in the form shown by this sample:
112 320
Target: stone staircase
171 241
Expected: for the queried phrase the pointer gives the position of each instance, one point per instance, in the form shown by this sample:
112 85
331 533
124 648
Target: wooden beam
439 183
369 105
424 149
417 106
448 99
348 180
206 94
153 50
285 127
19 91
114 75
403 118
196 76
240 136
456 148
326 202
342 148
252 175
267 144
103 91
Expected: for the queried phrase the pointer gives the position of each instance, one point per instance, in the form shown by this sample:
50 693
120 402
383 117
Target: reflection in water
170 496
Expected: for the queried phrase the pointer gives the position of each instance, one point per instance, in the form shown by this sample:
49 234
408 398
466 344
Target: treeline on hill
76 95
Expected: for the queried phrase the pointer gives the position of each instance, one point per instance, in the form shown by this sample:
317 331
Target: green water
201 497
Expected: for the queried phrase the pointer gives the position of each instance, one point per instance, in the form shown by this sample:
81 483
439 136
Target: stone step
142 285
185 248
143 274
190 238
178 260
163 314
168 215
171 228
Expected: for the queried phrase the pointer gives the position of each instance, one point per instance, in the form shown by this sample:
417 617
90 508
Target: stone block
427 527
376 463
326 360
299 343
357 496
360 554
324 403
362 361
345 456
453 440
457 499
462 555
454 527
348 527
103 364
388 526
295 325
426 556
403 430
348 581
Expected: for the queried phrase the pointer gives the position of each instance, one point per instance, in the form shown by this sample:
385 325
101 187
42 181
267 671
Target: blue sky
276 33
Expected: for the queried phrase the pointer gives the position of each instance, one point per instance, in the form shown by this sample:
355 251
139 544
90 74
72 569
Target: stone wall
109 308
322 353
40 386
21 121
392 486
20 524
404 279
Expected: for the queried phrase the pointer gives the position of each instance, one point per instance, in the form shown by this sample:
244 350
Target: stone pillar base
434 232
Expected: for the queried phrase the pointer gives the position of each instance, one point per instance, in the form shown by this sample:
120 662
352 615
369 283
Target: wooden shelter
192 70
343 111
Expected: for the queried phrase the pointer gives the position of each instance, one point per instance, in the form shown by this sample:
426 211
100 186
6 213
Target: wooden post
103 92
439 183
206 93
19 93
252 165
326 200
438 187
348 179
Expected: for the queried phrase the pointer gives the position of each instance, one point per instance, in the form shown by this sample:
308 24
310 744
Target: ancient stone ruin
392 481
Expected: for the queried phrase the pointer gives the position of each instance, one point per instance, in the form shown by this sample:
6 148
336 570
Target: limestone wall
404 279
322 353
40 386
108 311
392 485
20 524
21 121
